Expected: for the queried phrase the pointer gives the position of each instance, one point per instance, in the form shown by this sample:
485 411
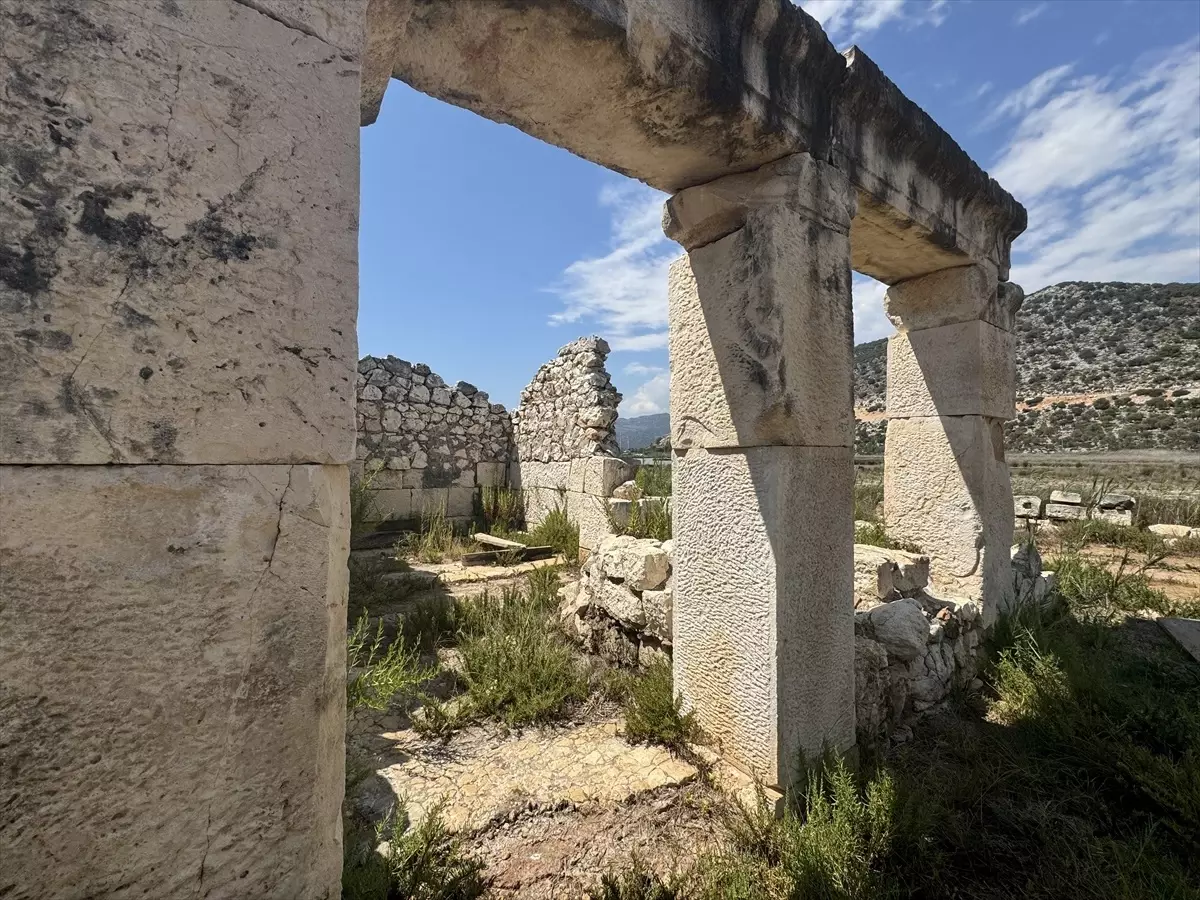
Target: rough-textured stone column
950 386
178 226
761 427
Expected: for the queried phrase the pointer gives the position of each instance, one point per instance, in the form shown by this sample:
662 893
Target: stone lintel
175 652
676 93
761 337
951 370
763 614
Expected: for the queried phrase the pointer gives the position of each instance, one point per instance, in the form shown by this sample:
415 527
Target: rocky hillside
639 432
1100 366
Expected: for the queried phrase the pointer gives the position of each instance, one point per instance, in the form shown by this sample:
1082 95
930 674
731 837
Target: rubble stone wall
425 443
565 448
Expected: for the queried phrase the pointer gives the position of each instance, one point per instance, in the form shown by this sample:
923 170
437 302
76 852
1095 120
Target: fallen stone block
1027 507
1065 511
1173 531
1116 516
1117 501
1066 497
640 563
657 606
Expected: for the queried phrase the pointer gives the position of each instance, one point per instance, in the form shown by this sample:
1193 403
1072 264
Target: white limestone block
763 636
1061 512
1027 507
901 628
1066 497
490 474
214 603
640 563
761 336
947 490
965 294
952 370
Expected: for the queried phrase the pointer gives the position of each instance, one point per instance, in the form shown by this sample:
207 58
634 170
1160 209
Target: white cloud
623 294
870 323
651 397
1029 13
637 368
846 21
1109 168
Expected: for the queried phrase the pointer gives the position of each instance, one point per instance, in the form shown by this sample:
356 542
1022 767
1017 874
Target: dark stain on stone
58 137
145 373
35 408
175 364
162 439
214 238
131 318
171 8
128 232
21 271
50 339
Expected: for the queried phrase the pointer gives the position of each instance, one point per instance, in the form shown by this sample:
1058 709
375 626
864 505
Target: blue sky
483 250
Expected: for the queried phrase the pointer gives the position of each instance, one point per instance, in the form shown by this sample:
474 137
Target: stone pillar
761 351
177 346
950 387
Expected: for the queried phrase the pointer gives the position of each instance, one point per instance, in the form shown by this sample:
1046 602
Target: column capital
952 296
700 215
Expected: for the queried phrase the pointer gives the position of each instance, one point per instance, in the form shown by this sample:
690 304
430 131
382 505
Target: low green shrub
502 509
555 530
425 862
875 534
653 712
654 479
376 675
636 882
647 519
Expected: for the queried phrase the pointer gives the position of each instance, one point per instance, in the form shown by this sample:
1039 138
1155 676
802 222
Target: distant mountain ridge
1100 366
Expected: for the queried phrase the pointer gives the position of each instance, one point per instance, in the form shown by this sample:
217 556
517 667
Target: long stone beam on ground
680 92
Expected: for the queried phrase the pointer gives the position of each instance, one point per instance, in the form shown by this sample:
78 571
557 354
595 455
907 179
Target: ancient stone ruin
178 272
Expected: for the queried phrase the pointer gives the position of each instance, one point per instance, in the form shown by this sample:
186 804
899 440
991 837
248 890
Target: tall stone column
761 427
950 387
178 226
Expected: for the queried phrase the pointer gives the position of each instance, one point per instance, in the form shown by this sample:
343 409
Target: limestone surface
763 613
172 683
178 257
953 296
951 370
761 328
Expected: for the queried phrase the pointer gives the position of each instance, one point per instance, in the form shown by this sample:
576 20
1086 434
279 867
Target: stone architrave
760 339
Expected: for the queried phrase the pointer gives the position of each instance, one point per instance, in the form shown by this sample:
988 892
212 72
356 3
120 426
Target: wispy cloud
1109 168
846 21
637 368
1029 13
623 293
651 397
870 322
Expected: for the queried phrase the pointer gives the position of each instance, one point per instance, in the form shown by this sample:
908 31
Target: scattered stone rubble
620 609
1067 506
569 408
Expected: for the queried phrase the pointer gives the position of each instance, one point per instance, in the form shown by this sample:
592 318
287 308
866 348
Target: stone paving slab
1186 633
482 775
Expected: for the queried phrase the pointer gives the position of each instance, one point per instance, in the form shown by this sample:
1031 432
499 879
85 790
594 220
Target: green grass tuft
377 675
653 712
875 534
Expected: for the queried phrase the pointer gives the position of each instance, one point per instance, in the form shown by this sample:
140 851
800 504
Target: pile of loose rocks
620 609
569 408
410 421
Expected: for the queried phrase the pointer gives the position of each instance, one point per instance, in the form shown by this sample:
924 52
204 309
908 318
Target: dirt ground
1177 576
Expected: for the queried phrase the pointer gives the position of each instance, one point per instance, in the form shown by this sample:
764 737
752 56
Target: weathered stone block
952 370
761 335
1027 507
640 563
394 503
878 572
901 628
530 474
196 619
490 474
602 474
947 490
657 606
1116 516
1065 511
763 636
1117 501
191 239
966 294
1066 497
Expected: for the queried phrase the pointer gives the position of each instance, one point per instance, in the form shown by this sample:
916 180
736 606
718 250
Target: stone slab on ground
482 776
1186 633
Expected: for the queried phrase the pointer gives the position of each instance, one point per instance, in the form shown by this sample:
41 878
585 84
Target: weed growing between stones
653 712
654 480
424 862
516 666
868 494
363 508
369 589
501 509
435 538
875 534
557 531
374 675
